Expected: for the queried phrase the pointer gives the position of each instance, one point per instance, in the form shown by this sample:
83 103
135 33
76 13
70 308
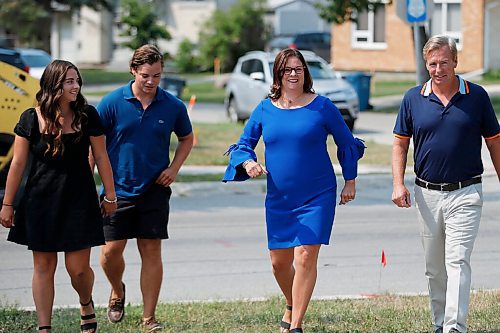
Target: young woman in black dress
59 210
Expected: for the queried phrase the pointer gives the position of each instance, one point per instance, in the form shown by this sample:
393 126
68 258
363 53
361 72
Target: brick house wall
399 56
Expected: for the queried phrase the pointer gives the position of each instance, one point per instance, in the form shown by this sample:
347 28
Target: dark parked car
318 42
279 43
13 58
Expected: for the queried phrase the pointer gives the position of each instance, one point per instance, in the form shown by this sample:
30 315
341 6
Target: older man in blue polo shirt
139 119
447 118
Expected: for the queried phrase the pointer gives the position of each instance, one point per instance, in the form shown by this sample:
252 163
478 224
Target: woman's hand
7 216
255 169
348 192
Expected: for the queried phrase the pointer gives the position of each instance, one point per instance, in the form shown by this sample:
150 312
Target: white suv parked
252 78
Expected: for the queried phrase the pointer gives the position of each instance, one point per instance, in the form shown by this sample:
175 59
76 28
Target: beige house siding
471 56
399 55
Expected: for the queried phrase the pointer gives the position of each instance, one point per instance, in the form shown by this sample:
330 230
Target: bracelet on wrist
105 199
244 164
8 205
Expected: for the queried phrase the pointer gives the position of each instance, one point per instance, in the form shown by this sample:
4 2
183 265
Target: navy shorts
144 217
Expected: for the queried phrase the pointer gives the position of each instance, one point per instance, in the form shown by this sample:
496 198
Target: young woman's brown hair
48 97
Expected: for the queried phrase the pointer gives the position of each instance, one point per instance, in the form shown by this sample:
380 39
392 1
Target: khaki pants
450 222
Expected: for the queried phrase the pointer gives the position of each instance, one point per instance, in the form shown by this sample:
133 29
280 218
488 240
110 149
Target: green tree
340 11
229 34
141 24
29 22
185 59
33 17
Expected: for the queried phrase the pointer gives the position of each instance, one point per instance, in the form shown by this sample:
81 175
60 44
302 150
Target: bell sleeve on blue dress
244 149
349 155
349 148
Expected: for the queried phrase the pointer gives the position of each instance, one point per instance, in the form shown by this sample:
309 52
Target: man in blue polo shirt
446 117
139 119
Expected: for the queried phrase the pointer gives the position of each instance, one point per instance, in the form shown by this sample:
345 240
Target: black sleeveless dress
59 209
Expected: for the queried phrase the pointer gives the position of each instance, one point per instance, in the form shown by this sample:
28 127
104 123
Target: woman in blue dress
294 123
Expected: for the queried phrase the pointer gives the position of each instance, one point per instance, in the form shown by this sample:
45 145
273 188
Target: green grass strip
385 313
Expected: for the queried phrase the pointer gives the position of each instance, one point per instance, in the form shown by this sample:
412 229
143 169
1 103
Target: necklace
289 101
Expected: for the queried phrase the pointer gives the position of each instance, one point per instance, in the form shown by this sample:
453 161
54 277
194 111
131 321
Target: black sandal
47 327
284 326
88 326
296 330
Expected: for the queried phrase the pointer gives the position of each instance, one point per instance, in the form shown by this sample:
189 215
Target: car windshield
318 70
36 60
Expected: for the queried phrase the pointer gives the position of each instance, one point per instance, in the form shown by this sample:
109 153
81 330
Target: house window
369 31
447 19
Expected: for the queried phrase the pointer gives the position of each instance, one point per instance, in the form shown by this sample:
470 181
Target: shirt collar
128 94
463 87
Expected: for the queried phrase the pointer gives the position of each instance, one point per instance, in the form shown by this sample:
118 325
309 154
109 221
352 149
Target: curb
263 299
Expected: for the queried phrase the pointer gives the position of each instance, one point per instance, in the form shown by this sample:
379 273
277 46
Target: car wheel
350 123
232 111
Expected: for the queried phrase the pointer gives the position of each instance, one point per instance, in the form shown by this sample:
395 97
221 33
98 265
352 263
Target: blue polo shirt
447 140
138 140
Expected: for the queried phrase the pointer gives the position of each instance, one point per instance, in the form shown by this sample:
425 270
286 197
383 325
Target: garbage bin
361 83
173 85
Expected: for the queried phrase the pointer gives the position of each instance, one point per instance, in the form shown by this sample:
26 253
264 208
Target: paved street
218 250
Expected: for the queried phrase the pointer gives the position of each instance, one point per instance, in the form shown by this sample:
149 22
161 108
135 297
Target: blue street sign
416 11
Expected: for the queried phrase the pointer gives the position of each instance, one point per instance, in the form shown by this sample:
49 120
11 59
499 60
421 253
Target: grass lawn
204 92
208 92
386 313
387 88
214 139
99 76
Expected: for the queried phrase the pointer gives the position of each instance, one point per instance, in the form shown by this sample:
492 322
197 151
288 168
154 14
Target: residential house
289 17
381 41
83 37
89 37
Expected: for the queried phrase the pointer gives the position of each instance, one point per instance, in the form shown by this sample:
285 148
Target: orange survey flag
383 260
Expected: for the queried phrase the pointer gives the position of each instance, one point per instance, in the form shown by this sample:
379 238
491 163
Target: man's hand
167 177
401 196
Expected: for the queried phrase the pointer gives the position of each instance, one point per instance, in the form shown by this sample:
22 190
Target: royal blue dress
301 184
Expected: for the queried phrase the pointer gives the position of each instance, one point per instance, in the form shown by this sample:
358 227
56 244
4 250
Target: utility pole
417 13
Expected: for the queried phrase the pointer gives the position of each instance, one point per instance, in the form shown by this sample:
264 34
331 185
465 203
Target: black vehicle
12 57
318 42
